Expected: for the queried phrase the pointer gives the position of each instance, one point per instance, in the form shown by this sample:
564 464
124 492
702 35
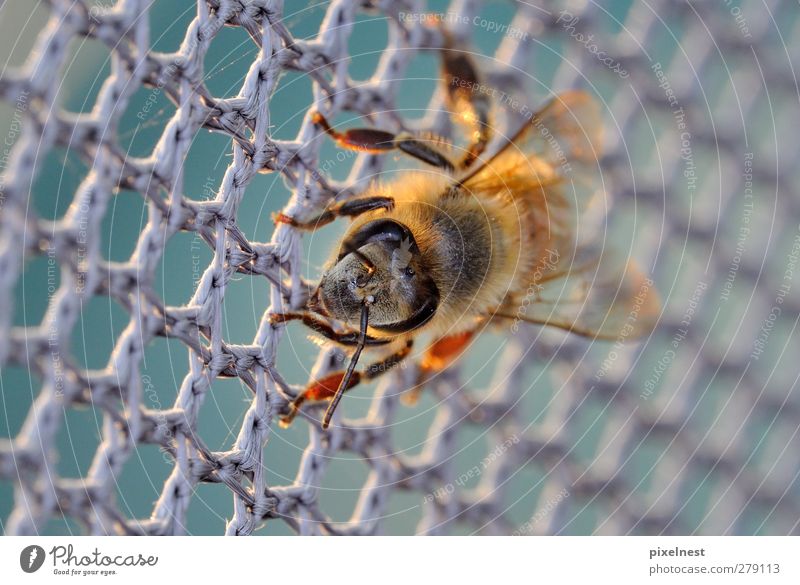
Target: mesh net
693 431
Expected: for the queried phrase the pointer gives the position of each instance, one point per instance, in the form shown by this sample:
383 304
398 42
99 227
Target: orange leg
468 100
441 353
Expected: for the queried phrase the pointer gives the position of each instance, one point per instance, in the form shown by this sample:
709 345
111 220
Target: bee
479 238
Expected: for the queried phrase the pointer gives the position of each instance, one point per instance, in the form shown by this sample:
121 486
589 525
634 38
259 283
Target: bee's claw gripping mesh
605 487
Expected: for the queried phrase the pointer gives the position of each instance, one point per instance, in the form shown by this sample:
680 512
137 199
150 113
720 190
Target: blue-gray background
166 362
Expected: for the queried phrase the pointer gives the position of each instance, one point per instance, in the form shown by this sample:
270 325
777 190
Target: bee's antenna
345 383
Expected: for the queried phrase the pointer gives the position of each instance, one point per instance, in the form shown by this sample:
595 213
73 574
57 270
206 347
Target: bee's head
380 264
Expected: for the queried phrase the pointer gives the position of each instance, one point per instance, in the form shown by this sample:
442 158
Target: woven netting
655 465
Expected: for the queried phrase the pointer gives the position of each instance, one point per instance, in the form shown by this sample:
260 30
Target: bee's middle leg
326 387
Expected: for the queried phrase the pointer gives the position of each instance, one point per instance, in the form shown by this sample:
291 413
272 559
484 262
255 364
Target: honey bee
481 239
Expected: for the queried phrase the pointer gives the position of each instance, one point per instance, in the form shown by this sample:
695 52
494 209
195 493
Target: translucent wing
561 143
552 166
592 292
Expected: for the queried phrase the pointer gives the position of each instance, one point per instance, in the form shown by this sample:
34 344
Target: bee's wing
561 143
593 293
552 163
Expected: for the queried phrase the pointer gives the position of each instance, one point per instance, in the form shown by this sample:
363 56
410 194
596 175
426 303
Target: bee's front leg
350 208
326 387
324 328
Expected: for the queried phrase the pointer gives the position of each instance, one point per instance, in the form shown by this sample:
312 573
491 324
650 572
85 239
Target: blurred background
700 101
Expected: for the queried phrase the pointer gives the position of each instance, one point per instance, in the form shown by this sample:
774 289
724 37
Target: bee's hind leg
380 142
467 98
326 387
439 355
